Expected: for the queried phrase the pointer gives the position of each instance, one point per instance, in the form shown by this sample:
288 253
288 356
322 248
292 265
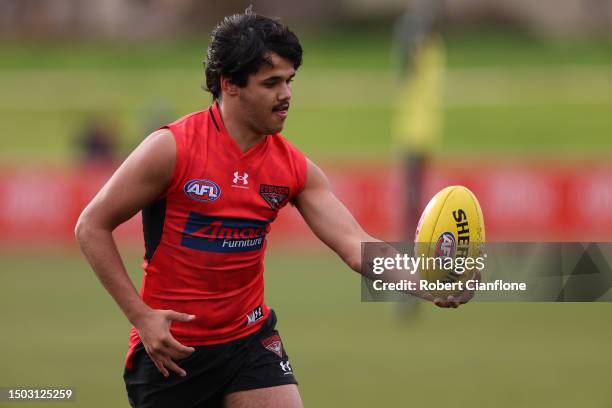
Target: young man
209 185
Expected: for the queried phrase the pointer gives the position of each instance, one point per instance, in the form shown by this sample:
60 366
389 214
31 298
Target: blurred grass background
505 92
508 94
64 330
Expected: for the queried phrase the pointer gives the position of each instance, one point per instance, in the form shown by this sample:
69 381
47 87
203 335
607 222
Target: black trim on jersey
153 216
212 115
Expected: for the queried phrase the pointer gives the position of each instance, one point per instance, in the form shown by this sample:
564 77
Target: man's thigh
282 396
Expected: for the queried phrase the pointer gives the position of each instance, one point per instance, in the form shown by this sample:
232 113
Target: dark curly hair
240 44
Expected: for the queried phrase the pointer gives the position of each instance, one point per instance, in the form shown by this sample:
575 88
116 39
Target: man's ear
227 87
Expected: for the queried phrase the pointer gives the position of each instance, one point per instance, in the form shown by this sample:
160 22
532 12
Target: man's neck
245 137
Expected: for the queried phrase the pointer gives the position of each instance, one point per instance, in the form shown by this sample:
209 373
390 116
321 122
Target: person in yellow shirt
418 113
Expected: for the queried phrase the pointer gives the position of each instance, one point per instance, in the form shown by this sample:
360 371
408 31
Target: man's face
264 101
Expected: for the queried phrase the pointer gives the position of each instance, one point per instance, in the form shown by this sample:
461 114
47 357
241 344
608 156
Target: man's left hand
453 301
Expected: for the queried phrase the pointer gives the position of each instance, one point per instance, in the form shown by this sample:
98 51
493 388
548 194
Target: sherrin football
451 227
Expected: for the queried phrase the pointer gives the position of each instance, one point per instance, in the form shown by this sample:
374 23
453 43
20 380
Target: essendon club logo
275 196
273 344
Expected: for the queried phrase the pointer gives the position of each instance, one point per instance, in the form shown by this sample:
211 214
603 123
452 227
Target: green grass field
61 329
507 95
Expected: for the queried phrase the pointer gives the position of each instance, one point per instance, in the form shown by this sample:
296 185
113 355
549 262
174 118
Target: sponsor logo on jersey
254 315
275 196
202 190
273 344
446 245
286 367
240 180
221 234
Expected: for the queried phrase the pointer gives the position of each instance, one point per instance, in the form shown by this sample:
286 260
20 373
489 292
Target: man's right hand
154 331
139 181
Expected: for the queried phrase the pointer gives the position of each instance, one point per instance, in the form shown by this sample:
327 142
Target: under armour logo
244 179
286 367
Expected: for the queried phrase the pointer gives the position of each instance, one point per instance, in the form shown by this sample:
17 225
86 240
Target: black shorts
258 360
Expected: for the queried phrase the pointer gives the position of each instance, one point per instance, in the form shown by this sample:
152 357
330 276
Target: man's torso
206 235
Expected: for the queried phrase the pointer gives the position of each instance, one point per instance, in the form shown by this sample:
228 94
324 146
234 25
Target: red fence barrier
520 201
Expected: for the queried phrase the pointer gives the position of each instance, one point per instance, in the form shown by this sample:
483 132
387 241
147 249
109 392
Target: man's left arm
330 220
333 224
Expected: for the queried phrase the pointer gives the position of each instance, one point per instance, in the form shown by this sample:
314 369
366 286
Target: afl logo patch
446 245
202 190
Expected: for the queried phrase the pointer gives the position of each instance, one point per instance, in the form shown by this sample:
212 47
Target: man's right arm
139 181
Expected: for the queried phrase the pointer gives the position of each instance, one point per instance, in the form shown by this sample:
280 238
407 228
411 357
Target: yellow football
449 240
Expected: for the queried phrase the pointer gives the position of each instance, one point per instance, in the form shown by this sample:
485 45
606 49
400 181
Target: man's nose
285 92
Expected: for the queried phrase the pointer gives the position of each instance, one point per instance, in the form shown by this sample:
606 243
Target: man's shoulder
287 154
189 119
191 128
281 142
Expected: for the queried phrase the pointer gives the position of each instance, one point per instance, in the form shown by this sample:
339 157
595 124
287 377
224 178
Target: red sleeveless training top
206 235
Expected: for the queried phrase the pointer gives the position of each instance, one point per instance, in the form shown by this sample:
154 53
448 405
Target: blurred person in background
418 112
209 185
97 143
